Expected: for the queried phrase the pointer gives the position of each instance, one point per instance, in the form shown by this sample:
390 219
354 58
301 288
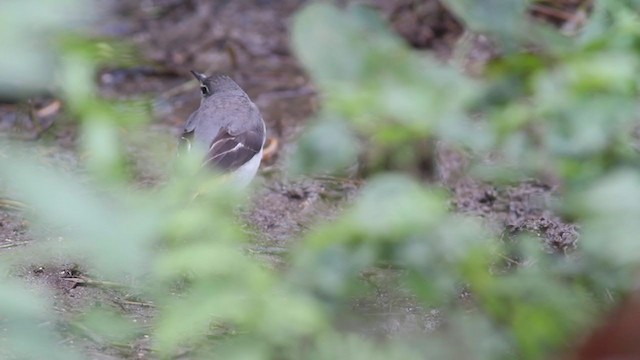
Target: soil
248 39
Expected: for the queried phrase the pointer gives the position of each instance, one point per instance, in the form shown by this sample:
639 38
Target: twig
515 262
85 281
13 244
179 89
270 96
549 11
269 250
136 303
86 332
184 87
337 179
609 296
11 204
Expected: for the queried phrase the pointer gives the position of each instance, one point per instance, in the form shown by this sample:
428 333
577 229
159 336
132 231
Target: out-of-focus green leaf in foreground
28 30
567 111
186 254
326 147
26 322
373 79
394 98
109 232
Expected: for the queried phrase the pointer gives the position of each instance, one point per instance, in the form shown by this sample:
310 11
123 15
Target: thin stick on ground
13 244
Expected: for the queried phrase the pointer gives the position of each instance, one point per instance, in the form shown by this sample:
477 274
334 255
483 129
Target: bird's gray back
219 111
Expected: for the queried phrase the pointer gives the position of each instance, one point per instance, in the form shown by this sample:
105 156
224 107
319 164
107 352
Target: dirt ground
248 39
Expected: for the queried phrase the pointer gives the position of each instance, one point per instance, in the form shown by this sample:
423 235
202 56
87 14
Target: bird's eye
204 89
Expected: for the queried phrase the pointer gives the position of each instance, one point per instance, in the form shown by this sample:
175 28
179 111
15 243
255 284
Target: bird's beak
199 76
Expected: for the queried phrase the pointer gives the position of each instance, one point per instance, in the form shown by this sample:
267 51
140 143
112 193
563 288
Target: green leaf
493 16
111 234
23 317
372 78
27 31
327 146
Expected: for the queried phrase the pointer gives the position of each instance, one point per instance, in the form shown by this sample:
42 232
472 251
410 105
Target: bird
228 126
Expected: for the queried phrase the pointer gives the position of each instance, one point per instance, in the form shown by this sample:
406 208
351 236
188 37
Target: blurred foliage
567 109
507 24
28 63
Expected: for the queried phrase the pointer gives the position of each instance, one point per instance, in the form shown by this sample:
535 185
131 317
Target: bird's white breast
245 173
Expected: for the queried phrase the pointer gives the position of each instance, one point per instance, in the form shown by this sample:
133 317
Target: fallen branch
13 244
85 281
9 204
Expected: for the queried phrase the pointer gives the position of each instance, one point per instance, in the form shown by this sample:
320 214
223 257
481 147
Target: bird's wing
186 139
228 152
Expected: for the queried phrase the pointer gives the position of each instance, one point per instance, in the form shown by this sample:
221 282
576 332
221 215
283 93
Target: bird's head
216 83
205 87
